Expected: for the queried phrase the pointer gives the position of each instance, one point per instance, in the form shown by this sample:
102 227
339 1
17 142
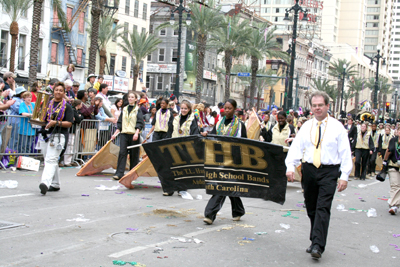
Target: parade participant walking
392 154
129 124
351 130
59 118
324 144
283 132
372 158
363 146
162 122
383 142
229 125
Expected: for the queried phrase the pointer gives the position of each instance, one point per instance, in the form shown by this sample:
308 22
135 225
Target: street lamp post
341 96
395 105
377 57
296 8
180 10
285 103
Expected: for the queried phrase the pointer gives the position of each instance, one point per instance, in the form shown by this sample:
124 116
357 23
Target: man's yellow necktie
317 151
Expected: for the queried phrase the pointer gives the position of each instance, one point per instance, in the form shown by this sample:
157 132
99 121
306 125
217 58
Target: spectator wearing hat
100 80
15 121
90 81
75 87
142 106
69 75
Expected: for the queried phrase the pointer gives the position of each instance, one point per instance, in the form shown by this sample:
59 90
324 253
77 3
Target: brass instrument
367 116
40 110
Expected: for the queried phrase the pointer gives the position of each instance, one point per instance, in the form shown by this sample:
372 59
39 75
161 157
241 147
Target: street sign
243 74
375 112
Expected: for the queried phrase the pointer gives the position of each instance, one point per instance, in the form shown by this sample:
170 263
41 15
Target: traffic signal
387 106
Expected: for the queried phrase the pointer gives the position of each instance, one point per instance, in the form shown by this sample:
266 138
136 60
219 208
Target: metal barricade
17 136
92 136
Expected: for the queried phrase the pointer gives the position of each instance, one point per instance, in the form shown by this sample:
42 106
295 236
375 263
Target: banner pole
129 147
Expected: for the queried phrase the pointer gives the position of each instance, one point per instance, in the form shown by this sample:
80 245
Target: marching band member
59 118
372 159
229 125
162 122
364 146
383 141
351 130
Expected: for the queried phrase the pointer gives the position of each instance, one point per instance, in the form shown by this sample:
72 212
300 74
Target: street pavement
83 226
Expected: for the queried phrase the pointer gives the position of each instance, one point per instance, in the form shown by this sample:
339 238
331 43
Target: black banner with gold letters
224 165
179 162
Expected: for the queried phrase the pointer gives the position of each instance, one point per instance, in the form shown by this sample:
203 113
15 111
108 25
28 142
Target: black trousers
159 135
319 188
125 141
215 204
362 156
371 162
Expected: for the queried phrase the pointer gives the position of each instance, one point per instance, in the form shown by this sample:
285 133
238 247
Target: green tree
231 38
356 86
336 70
204 21
261 44
97 8
107 33
15 9
36 18
138 46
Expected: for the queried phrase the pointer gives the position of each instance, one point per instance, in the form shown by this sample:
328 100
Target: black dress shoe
316 253
51 188
309 249
43 188
167 194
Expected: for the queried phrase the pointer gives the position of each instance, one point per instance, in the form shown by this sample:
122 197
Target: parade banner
224 165
178 162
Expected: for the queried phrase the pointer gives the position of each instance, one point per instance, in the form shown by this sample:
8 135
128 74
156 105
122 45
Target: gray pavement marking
19 195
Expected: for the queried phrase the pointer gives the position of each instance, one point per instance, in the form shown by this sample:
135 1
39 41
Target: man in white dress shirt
327 156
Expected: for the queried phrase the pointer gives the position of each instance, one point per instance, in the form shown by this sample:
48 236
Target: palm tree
346 96
107 33
384 89
261 45
138 46
15 9
204 21
231 38
356 86
336 70
97 8
36 18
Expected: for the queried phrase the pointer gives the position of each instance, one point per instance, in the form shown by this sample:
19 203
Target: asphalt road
83 226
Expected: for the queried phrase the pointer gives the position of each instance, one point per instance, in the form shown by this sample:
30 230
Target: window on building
39 59
21 52
373 9
79 55
133 63
135 27
151 28
149 57
161 55
66 55
123 66
159 82
144 11
136 12
127 5
69 16
81 23
267 2
114 39
173 81
54 53
112 64
267 10
126 29
277 10
162 32
175 55
176 32
3 48
143 30
147 81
